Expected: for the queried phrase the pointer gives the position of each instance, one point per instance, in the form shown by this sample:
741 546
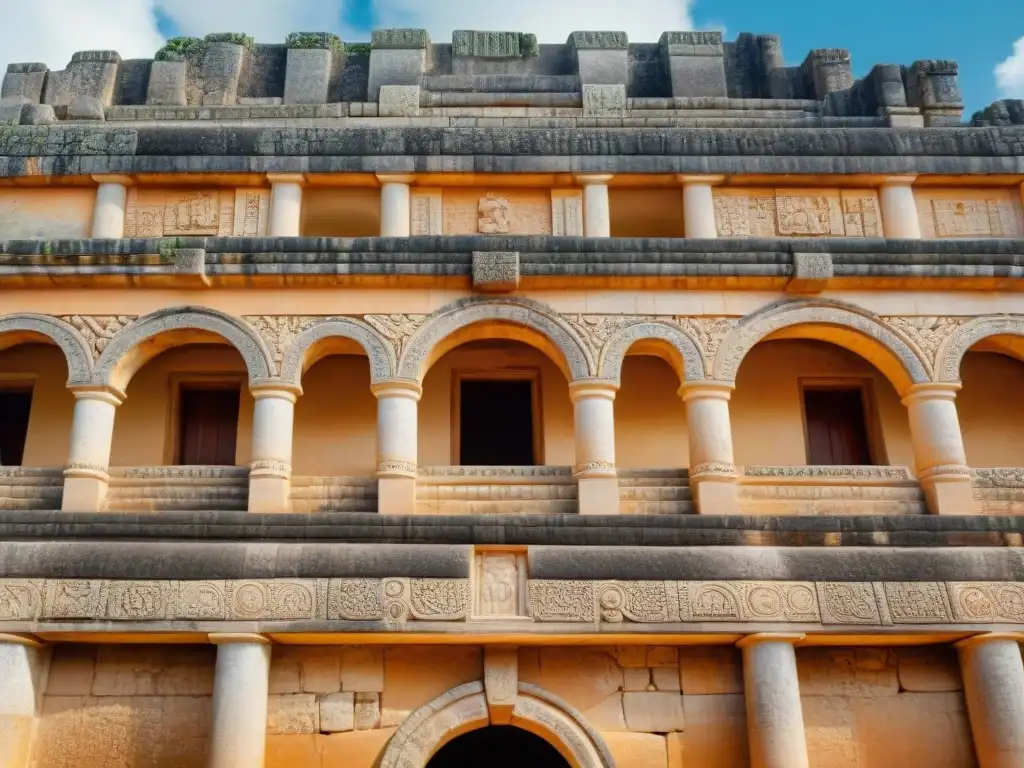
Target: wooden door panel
209 426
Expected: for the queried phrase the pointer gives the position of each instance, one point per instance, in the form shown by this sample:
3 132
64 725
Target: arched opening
990 408
498 746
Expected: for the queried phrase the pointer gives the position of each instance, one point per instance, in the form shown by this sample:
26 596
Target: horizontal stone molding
388 604
845 475
998 477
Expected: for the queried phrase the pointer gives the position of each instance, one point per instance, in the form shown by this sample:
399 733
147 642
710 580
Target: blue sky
979 36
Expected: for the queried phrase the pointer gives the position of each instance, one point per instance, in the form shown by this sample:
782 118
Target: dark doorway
836 426
209 426
498 746
15 405
496 423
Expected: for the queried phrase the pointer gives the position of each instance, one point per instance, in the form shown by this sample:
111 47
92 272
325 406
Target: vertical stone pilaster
394 205
397 437
993 675
111 201
939 448
271 468
775 718
241 683
21 681
597 219
699 205
594 431
285 205
713 477
92 432
899 209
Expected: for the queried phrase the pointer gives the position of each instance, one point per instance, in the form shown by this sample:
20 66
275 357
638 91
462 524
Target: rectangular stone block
307 75
695 63
636 750
850 672
321 671
362 669
636 678
293 713
495 271
653 712
285 671
604 100
399 101
367 711
666 678
222 69
716 732
337 712
23 83
607 715
92 73
710 670
167 84
662 656
928 670
393 65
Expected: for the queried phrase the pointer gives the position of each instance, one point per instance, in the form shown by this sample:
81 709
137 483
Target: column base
716 497
270 495
396 495
598 495
950 495
84 494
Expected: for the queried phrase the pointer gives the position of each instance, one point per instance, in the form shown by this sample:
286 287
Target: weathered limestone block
637 750
495 271
37 114
695 63
23 83
828 70
811 272
397 57
85 108
22 668
337 712
935 87
631 656
710 670
636 678
293 713
912 729
399 101
415 675
72 669
167 84
662 656
666 678
928 670
286 670
653 712
308 74
476 44
367 713
601 57
716 732
321 671
362 669
222 69
604 100
582 676
608 714
91 73
139 670
859 672
190 262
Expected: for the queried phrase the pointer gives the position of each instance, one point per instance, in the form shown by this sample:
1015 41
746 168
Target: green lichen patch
358 49
315 40
180 48
236 38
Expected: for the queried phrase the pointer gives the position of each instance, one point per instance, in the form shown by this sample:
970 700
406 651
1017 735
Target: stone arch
668 341
17 328
845 325
158 331
305 350
951 352
464 708
522 319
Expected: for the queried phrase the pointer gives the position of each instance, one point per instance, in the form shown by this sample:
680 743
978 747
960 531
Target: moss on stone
314 40
180 48
358 49
236 38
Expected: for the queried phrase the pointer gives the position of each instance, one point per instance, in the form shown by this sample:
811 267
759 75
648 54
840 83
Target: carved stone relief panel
196 212
98 330
797 213
496 211
969 213
500 579
425 212
252 211
566 213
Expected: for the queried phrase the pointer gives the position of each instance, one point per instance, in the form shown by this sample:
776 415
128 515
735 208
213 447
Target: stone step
181 503
655 493
485 507
657 508
830 507
308 505
37 502
486 492
655 473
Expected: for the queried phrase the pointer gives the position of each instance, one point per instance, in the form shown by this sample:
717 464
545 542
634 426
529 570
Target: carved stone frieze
708 332
917 602
397 329
500 582
494 214
469 471
853 473
926 332
597 330
985 603
568 601
279 331
998 477
98 330
843 602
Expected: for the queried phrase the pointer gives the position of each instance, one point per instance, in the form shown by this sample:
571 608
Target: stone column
92 431
397 436
713 477
111 200
394 204
285 204
270 470
597 217
993 675
899 209
594 430
699 205
775 719
21 680
939 448
240 685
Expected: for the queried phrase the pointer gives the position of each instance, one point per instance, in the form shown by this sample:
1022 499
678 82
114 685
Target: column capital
27 640
931 390
586 179
286 178
580 388
103 393
989 637
280 390
711 179
407 388
231 638
396 178
102 178
790 638
904 180
706 389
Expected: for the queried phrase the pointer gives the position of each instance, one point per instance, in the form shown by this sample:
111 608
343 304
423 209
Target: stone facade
358 401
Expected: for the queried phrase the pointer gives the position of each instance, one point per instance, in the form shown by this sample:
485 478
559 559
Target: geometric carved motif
917 602
425 212
223 212
973 218
98 330
926 332
987 602
795 213
279 331
566 213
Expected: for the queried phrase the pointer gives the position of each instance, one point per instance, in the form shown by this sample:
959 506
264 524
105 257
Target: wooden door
15 405
836 427
209 426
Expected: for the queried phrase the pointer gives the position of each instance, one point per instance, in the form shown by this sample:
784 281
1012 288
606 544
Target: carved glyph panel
797 213
566 213
196 212
500 584
496 212
425 212
970 213
252 211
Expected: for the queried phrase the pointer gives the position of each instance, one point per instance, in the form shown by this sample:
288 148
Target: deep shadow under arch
498 746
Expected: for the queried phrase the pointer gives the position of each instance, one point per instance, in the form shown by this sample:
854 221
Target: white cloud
1010 73
550 20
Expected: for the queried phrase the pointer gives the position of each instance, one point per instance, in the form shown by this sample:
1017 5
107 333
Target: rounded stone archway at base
464 709
498 746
